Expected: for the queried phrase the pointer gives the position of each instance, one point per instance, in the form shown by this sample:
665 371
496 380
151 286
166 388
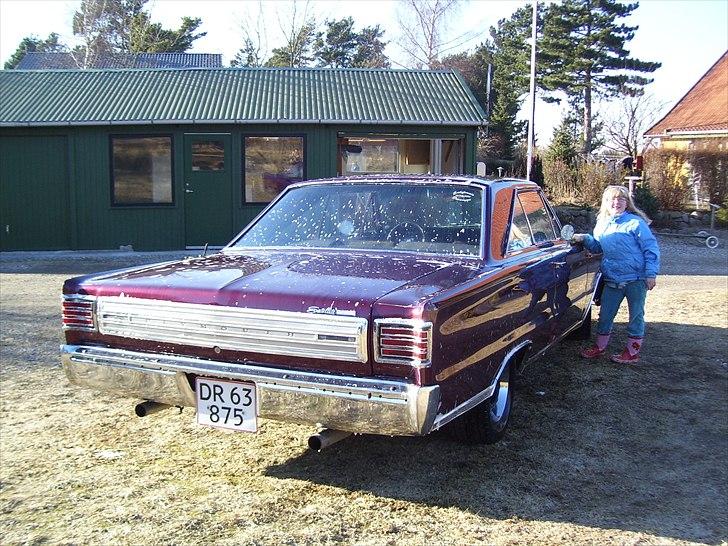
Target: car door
572 266
530 242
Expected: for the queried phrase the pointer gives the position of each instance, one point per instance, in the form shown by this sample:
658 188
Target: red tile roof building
702 112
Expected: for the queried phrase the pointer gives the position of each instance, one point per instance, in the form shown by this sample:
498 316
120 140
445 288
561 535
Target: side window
538 216
520 235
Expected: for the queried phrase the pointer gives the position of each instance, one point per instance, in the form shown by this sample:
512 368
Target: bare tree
255 39
630 118
299 33
424 25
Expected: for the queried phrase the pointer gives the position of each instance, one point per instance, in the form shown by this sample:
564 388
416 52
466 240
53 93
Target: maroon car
377 305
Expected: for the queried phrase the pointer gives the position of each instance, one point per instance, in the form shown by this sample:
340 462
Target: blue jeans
612 296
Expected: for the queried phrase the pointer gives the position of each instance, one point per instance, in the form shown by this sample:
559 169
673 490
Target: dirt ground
597 453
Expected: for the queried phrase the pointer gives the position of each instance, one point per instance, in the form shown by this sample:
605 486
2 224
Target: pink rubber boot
597 349
631 353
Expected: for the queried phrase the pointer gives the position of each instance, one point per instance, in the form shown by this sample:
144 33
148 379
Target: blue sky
687 36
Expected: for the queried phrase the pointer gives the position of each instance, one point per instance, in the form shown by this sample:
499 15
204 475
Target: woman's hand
578 237
651 282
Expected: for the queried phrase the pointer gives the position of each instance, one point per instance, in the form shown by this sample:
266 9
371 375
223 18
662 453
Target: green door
34 206
208 190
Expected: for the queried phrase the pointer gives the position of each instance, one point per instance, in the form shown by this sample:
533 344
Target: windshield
430 218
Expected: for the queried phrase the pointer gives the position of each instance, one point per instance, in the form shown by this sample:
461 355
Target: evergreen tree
370 49
117 27
336 46
473 67
248 55
147 37
340 47
33 44
582 53
511 57
564 144
297 50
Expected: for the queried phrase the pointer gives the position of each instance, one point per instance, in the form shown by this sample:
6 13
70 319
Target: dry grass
597 453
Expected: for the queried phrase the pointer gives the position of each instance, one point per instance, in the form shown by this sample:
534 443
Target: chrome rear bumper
354 404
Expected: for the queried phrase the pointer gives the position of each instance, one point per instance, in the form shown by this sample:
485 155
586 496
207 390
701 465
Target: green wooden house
173 158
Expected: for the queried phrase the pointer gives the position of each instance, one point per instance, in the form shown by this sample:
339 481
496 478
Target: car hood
334 282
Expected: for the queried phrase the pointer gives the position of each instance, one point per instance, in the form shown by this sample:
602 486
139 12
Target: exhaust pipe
325 438
148 407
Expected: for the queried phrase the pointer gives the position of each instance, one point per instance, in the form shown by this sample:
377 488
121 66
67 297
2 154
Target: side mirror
567 232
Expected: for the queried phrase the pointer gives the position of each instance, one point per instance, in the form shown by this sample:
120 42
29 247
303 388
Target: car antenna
204 251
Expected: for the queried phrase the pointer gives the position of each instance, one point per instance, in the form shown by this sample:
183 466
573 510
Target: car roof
417 179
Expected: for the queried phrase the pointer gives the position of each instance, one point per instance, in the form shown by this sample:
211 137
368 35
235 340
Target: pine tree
33 44
582 54
296 52
511 66
336 46
370 49
119 27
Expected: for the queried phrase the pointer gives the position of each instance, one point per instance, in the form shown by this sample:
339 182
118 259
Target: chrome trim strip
416 325
332 337
355 404
78 311
482 396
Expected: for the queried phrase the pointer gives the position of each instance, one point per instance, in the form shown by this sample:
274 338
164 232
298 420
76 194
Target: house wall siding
74 183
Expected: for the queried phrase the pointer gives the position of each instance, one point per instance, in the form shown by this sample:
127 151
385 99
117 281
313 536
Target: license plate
226 404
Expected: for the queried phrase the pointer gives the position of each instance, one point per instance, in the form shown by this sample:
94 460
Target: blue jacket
630 250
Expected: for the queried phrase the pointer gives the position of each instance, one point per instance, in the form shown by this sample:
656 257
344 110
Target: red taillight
405 341
78 313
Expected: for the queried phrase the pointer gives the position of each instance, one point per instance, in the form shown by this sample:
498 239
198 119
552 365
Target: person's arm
651 251
589 242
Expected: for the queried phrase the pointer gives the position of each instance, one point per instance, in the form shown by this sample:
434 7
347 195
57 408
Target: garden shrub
722 214
668 177
645 200
560 180
592 179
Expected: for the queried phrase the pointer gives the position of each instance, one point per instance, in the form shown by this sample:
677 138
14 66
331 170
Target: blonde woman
630 263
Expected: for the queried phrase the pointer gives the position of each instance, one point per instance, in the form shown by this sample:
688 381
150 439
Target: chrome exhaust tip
325 438
148 407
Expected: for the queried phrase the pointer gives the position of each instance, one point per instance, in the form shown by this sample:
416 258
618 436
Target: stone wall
583 219
677 220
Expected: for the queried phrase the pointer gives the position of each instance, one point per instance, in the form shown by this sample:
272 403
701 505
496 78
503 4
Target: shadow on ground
640 449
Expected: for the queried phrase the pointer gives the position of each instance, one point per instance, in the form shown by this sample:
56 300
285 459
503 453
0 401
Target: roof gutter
458 123
677 134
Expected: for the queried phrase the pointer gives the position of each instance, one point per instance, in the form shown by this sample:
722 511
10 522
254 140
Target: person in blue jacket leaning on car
630 263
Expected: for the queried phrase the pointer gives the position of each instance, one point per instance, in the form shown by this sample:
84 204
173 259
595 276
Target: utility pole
531 134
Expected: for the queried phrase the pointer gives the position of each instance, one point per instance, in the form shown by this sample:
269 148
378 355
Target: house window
271 164
371 155
374 154
141 170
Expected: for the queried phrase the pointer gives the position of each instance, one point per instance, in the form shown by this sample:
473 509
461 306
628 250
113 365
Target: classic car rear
370 305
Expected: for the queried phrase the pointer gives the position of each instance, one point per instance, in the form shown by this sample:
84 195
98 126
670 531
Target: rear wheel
487 422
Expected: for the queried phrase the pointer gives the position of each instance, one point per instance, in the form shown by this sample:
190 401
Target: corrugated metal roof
35 60
703 109
237 95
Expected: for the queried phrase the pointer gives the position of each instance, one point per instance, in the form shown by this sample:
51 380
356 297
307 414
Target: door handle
558 264
189 191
